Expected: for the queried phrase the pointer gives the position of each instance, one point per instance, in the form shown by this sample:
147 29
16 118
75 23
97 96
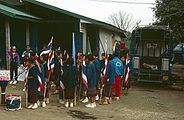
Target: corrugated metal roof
93 21
14 13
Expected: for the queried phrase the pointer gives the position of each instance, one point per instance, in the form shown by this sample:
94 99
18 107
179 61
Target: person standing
14 63
84 80
70 81
128 70
42 82
97 69
109 76
26 55
33 84
119 71
92 81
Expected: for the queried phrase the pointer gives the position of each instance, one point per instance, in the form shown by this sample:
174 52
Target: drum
13 102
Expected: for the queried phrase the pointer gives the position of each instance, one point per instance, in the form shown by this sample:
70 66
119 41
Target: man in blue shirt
119 71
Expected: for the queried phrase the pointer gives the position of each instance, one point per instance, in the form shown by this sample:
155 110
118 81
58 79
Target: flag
62 87
104 71
84 76
88 51
127 75
73 49
52 61
48 49
41 86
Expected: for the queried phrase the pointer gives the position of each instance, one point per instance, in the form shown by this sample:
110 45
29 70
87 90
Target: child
92 81
32 84
110 75
14 62
69 79
127 73
84 80
44 59
26 55
42 82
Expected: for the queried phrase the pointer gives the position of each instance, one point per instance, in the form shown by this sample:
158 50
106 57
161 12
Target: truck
152 53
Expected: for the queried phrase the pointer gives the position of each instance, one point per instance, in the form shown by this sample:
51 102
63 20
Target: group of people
90 77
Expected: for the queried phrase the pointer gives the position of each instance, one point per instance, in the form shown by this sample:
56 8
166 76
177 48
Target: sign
4 75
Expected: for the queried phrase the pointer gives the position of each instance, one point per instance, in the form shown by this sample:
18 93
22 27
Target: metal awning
14 13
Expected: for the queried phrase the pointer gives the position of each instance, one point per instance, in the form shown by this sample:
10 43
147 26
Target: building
33 22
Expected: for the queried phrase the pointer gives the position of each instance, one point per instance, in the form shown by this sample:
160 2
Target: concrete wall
106 40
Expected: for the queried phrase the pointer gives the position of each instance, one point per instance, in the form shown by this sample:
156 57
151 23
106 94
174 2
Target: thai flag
48 49
62 87
127 75
104 71
41 86
84 76
52 61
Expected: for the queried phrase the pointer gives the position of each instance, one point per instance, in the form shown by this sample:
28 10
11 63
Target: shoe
38 103
109 100
43 104
66 104
61 101
30 106
35 106
97 98
24 89
11 82
94 104
15 82
85 100
71 104
116 98
90 105
104 101
47 100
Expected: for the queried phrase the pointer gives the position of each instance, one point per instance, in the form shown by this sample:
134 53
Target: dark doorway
62 34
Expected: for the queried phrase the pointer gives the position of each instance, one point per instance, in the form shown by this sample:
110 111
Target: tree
171 12
122 20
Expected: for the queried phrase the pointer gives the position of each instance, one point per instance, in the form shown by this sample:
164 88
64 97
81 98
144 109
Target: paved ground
142 103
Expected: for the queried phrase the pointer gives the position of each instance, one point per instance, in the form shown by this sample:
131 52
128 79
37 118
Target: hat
14 48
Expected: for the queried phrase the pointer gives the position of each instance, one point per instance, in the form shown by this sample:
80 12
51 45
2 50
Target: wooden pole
3 94
7 34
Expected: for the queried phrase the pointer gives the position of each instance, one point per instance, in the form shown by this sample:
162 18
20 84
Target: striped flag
52 61
127 75
62 87
104 71
84 76
48 49
41 86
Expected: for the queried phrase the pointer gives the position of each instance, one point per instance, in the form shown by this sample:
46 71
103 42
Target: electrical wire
124 2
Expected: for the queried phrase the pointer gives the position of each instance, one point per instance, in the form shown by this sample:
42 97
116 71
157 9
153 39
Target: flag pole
73 49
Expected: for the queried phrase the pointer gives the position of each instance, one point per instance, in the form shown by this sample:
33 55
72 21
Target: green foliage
171 12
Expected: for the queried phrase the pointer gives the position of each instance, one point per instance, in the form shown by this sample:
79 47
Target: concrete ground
144 102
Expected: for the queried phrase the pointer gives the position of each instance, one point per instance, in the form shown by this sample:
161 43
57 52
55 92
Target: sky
100 10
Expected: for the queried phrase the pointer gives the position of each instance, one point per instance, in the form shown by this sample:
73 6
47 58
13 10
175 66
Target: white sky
101 10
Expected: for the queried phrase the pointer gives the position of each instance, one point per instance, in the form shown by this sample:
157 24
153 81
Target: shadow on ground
81 115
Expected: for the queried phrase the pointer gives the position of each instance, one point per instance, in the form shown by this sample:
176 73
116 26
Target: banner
4 75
